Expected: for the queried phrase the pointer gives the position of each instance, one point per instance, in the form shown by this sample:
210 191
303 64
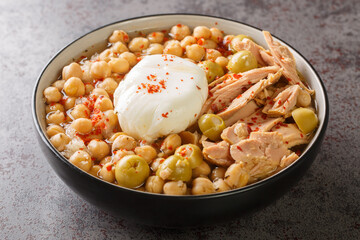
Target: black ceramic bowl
163 210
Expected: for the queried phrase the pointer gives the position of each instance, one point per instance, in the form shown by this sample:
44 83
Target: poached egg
162 94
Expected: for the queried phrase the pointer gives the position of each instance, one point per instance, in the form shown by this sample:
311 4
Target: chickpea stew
258 116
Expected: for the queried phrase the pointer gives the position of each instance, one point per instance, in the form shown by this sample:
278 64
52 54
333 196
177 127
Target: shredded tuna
218 154
235 133
292 136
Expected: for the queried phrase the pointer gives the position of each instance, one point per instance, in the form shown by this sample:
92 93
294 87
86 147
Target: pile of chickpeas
82 124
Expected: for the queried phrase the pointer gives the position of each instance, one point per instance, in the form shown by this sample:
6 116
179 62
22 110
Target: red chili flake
191 78
177 88
201 41
166 39
249 82
162 160
216 23
162 83
198 87
195 115
286 142
254 119
148 77
256 129
284 107
81 148
268 98
154 34
263 116
301 135
298 152
238 147
165 115
288 79
109 167
126 37
179 25
279 102
239 96
271 102
182 80
214 108
167 73
250 124
283 124
237 76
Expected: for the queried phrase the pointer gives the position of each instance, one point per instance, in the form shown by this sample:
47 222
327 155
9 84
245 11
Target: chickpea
155 37
88 88
147 152
170 144
106 160
218 172
115 135
98 149
179 32
195 52
227 39
103 104
188 40
53 107
119 48
106 55
124 142
119 35
201 171
59 141
175 188
119 154
100 69
304 99
155 48
220 185
99 92
56 117
80 111
113 119
209 44
87 78
154 184
174 48
72 70
107 173
54 129
59 84
216 35
156 163
95 170
201 186
236 176
82 160
130 57
119 65
74 87
222 61
69 102
82 125
212 54
109 84
202 32
52 94
138 44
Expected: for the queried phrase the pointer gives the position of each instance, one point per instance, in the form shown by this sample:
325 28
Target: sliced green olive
305 119
233 44
212 70
211 126
131 171
242 61
175 168
192 153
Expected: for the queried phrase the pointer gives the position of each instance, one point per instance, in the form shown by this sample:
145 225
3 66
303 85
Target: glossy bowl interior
162 210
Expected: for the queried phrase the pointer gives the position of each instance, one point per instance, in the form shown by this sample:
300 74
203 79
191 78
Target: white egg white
162 94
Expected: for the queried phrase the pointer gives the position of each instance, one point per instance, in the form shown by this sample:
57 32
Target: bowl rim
250 187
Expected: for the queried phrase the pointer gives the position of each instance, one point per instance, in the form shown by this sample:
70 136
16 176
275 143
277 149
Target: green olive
242 61
131 171
175 168
235 40
305 119
192 153
212 70
211 126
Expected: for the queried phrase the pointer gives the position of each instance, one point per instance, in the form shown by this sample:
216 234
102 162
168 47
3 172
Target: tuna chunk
284 102
222 94
218 154
247 44
286 60
292 136
287 160
244 112
261 153
259 122
235 133
267 57
249 94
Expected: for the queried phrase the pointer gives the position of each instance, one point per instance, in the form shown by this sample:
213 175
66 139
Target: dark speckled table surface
36 204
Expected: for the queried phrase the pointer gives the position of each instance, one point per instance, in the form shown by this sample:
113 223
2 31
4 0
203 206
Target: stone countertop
36 204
